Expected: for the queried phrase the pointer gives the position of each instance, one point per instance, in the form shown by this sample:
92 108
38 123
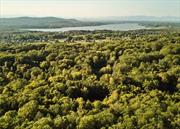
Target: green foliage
28 110
123 80
103 119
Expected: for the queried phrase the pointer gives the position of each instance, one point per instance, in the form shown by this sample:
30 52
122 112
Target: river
116 27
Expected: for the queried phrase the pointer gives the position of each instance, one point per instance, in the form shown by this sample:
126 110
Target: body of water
116 27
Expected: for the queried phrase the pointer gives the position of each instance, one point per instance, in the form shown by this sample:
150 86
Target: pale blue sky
89 8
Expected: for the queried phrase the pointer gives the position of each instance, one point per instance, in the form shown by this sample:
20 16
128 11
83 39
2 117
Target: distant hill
44 22
135 18
54 22
148 21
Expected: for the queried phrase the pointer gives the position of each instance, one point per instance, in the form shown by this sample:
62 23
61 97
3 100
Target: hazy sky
89 8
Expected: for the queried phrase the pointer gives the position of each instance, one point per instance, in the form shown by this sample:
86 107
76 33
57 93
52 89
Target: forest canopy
90 80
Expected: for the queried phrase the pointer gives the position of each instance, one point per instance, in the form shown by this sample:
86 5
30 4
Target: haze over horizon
89 8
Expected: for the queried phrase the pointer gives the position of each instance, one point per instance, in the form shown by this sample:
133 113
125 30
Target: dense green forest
90 80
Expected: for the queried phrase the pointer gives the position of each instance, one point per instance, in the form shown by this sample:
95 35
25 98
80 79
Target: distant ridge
42 22
135 18
18 23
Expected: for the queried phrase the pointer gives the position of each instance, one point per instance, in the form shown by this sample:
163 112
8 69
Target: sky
89 8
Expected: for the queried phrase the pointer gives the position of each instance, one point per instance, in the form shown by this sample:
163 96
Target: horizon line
16 16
